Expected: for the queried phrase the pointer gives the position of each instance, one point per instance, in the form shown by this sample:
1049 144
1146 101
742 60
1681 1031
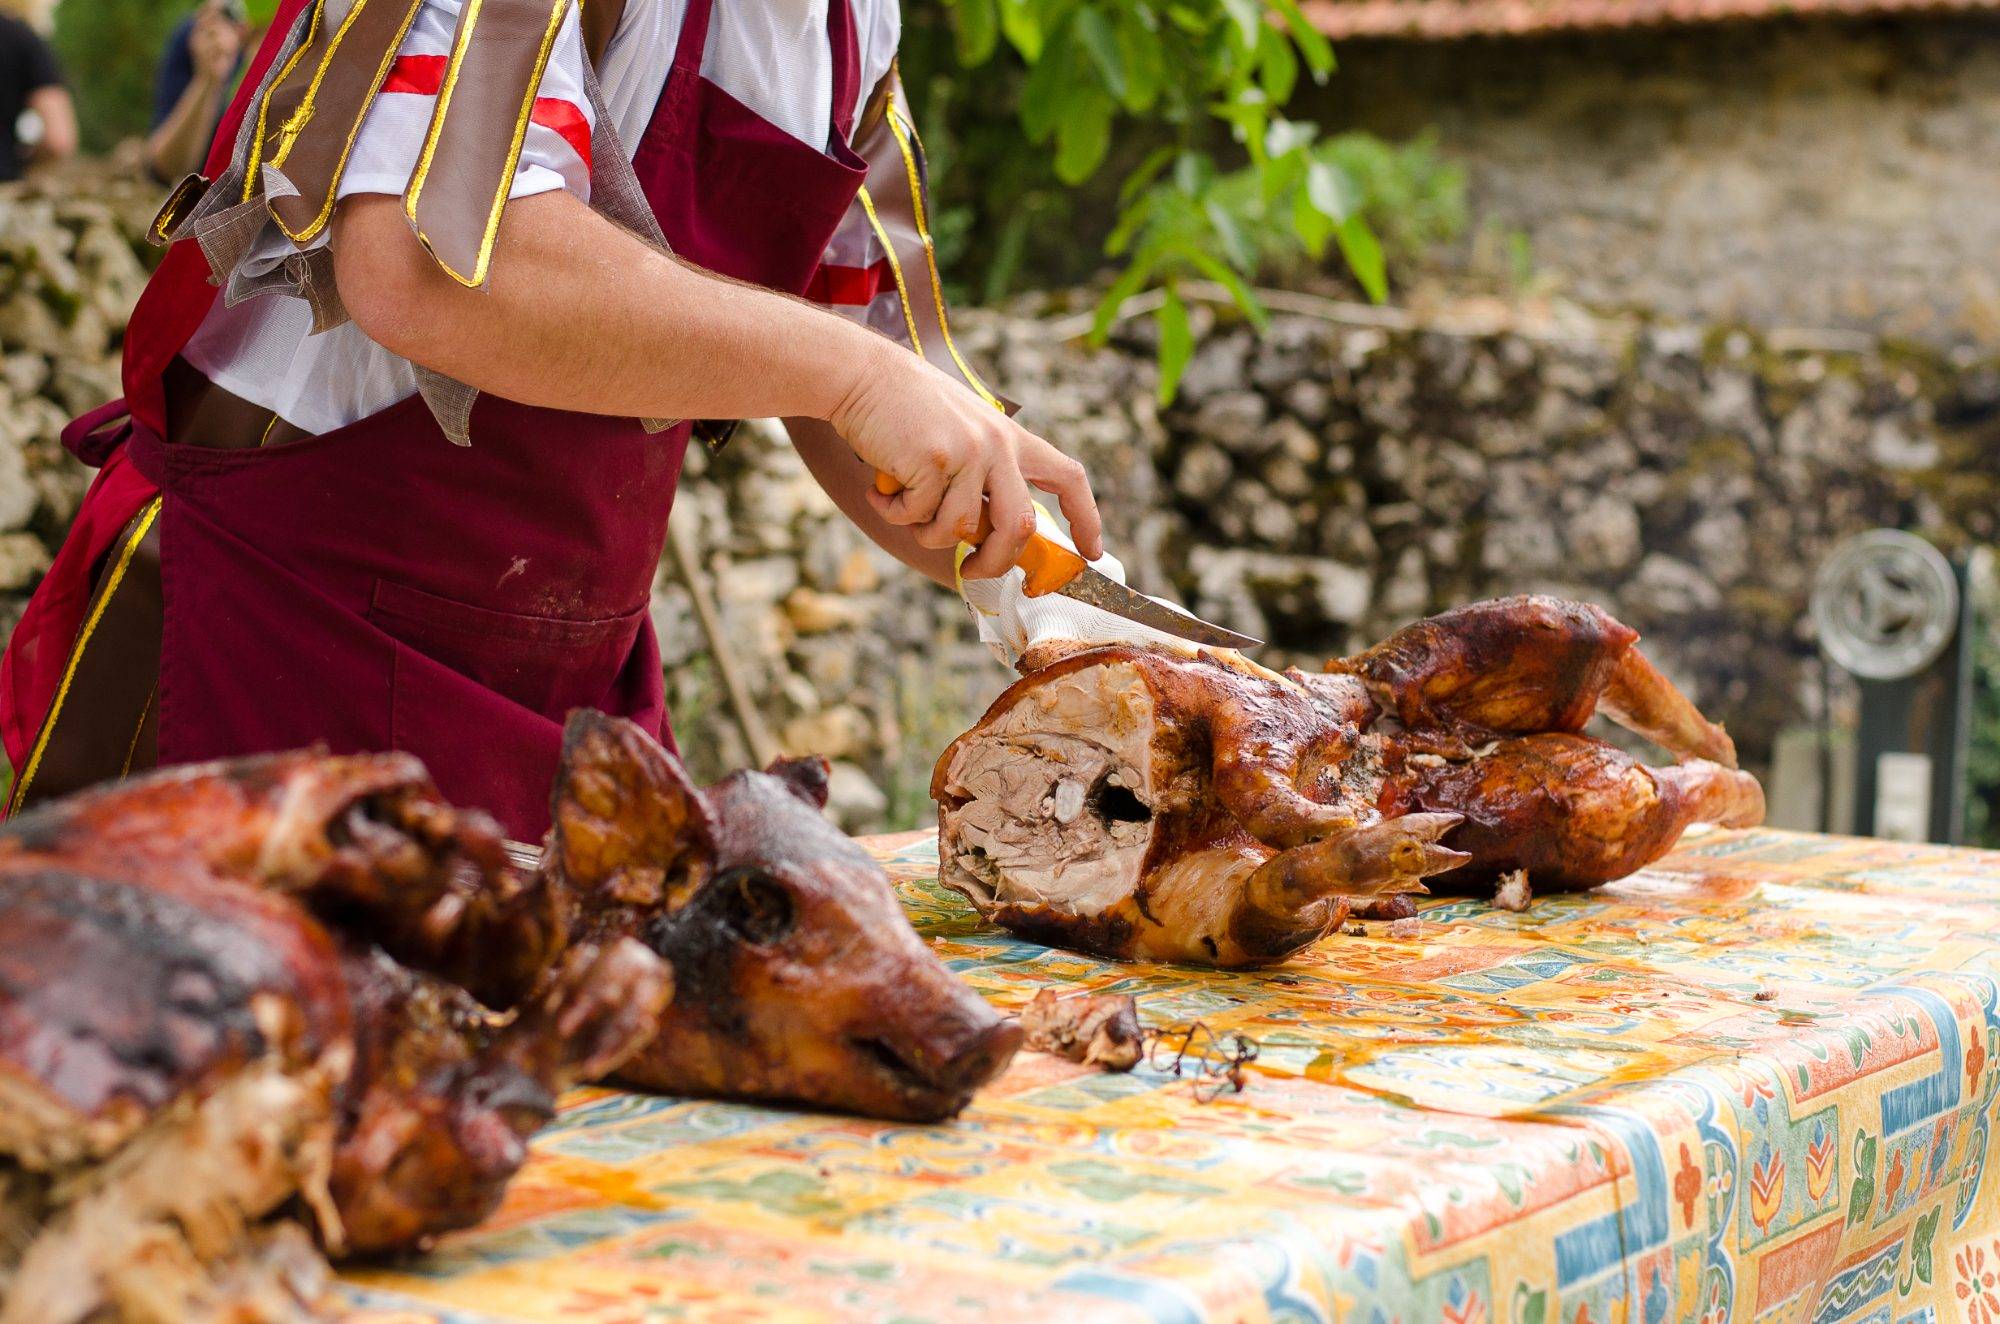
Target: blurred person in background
37 118
198 69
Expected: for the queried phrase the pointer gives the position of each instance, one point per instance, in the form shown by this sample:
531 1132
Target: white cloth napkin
1010 622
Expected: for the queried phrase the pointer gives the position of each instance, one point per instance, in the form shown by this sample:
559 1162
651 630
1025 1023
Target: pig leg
444 1122
1258 756
1640 699
1509 666
1575 812
1299 895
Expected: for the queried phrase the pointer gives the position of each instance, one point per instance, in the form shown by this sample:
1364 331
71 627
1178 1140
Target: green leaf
1312 43
1083 136
1045 96
1249 14
1193 171
1332 190
1287 136
1098 37
1007 252
1312 225
1129 283
976 24
1245 297
1144 174
1145 62
1278 65
1176 345
1021 20
1364 256
1235 244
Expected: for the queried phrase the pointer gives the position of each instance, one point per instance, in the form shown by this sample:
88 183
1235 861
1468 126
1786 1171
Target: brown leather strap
466 168
200 413
313 111
600 25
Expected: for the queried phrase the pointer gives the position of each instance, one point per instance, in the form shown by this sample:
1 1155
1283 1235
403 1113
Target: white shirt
772 55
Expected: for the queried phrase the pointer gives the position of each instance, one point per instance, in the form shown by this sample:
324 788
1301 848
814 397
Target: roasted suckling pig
799 978
284 992
1170 804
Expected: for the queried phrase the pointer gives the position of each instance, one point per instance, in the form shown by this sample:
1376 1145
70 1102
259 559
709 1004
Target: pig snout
938 1042
958 1067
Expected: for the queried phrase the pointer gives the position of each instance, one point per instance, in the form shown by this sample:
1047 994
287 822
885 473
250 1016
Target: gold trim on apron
141 526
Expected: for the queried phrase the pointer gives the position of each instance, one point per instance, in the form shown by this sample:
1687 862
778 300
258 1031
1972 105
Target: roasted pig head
1171 804
798 977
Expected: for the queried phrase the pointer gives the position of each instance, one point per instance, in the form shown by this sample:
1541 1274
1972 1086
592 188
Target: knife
1050 567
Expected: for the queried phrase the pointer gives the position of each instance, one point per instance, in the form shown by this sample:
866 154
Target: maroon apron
377 587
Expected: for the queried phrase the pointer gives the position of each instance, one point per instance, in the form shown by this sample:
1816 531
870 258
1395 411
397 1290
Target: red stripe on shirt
853 286
423 75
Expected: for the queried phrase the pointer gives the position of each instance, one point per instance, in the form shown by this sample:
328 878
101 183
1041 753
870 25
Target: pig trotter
1299 895
1640 699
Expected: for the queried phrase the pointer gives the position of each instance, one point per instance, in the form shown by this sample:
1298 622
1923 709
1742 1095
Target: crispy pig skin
1159 802
116 998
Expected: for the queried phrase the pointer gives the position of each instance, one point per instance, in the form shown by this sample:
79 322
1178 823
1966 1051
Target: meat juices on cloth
799 978
236 1003
1161 803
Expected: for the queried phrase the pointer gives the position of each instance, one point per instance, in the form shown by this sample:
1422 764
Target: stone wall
1804 173
1317 486
72 263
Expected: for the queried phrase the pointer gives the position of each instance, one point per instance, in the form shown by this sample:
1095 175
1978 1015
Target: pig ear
628 820
805 777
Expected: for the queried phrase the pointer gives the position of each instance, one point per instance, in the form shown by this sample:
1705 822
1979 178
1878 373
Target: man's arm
180 144
57 112
581 315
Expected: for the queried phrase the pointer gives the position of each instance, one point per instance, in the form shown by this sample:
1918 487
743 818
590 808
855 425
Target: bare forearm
580 315
58 115
180 144
848 480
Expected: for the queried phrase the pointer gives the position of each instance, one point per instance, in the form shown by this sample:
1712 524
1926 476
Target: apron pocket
548 664
481 748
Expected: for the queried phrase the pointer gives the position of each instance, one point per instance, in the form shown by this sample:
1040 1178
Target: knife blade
1050 567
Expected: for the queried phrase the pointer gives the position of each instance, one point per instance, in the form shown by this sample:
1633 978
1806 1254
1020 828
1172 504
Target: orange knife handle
1047 564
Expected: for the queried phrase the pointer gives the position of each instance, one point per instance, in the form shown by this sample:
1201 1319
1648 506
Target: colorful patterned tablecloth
1756 1082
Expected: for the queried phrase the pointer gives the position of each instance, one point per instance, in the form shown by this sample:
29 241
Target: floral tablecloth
1756 1082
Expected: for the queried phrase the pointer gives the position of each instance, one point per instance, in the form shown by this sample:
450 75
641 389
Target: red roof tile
1430 20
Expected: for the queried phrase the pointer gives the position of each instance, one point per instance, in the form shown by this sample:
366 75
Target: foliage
1182 102
110 50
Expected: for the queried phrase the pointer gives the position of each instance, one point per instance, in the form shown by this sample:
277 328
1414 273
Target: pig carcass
237 993
1173 804
799 978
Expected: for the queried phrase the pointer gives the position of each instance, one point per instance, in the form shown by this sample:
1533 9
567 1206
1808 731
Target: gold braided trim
904 134
468 21
293 127
895 268
256 158
124 563
174 210
132 750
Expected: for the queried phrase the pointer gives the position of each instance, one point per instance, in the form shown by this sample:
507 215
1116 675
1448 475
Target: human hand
216 43
953 455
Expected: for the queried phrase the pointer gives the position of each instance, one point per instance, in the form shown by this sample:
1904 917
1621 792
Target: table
1756 1081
